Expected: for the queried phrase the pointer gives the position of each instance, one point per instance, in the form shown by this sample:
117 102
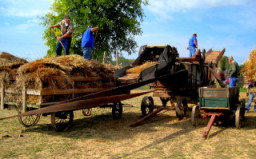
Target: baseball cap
66 16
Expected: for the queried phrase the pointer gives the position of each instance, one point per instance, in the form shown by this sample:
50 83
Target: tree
119 21
123 61
224 63
249 68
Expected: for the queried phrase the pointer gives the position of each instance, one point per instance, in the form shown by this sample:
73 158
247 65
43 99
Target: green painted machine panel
214 102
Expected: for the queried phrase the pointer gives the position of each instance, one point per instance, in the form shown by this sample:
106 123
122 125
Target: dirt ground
99 136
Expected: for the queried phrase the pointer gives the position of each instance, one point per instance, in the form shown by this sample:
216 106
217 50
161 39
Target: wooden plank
29 91
33 92
214 92
126 78
24 98
214 108
11 91
70 91
48 91
2 95
82 78
40 101
128 81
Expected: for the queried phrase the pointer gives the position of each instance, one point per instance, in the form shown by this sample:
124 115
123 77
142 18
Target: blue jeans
232 82
87 53
66 43
192 51
250 102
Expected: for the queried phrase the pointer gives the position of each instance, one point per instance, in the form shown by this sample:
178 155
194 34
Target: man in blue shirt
192 45
87 43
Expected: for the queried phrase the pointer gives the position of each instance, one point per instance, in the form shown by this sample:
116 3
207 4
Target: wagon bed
218 103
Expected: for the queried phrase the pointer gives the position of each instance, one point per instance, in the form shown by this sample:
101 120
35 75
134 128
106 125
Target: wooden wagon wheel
30 120
181 108
238 117
117 110
147 105
194 115
87 112
61 121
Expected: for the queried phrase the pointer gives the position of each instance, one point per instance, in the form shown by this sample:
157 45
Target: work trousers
192 51
232 82
87 53
66 43
250 102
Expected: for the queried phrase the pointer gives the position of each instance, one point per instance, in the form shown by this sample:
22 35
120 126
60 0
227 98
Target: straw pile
58 73
138 69
133 73
9 65
44 73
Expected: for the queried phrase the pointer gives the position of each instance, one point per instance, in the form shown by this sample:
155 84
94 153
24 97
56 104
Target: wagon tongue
80 104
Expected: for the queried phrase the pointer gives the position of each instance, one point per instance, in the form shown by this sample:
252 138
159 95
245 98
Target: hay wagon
46 82
32 99
218 104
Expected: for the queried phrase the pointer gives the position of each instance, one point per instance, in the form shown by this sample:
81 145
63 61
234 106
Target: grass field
99 136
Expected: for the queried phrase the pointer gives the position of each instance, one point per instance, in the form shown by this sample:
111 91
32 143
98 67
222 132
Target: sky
219 24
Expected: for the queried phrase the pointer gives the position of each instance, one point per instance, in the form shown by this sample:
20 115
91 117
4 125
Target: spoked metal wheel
181 108
117 110
238 117
87 112
195 115
61 121
147 105
30 120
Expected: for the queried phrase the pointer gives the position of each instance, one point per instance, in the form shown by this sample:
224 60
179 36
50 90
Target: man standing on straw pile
87 43
192 45
66 35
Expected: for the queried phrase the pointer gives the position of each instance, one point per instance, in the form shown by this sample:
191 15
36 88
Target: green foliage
240 69
119 21
123 61
224 63
241 89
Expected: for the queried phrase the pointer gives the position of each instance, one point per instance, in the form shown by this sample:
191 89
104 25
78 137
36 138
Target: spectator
252 91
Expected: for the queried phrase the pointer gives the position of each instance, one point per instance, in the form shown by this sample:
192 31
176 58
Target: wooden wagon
32 99
218 103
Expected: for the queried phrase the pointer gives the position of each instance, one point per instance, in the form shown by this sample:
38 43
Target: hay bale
7 59
8 67
73 61
44 73
57 73
47 62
